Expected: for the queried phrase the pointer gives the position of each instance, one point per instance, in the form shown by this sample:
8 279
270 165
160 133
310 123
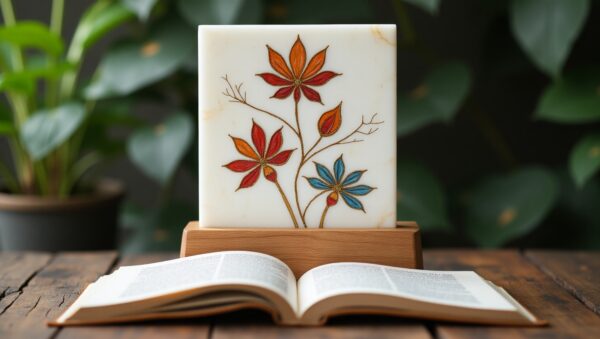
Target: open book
225 281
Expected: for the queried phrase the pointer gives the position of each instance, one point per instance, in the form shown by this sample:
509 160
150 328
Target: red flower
297 78
261 158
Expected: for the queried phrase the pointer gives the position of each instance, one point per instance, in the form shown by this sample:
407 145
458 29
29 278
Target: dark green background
479 156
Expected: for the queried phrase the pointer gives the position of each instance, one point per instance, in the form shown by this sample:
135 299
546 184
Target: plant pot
82 222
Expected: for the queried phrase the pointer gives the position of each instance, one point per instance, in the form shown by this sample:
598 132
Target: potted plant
45 204
59 125
57 131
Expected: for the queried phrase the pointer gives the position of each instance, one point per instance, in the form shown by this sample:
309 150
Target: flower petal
281 158
311 94
259 139
250 178
315 64
278 64
241 165
332 198
338 169
244 148
283 93
318 184
330 121
274 80
297 94
359 190
321 78
352 202
275 143
324 173
297 58
270 173
353 177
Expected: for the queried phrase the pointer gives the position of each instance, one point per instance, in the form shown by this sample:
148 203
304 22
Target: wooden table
561 287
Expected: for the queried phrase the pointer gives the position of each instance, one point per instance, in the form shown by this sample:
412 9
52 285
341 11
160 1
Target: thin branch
314 145
310 202
236 94
358 130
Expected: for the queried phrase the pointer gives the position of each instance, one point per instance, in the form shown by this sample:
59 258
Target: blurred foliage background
498 111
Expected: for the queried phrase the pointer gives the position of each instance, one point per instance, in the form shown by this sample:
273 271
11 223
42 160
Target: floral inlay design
338 185
298 78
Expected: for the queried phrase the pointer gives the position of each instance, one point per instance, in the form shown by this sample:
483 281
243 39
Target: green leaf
420 197
142 8
131 66
6 125
546 30
573 99
32 34
503 208
6 60
430 6
114 113
585 158
217 12
46 130
437 99
6 128
158 151
96 22
24 81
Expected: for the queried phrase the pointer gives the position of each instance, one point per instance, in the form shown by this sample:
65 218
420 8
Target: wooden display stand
303 249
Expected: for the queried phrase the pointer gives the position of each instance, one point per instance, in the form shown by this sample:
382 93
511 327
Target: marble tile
297 126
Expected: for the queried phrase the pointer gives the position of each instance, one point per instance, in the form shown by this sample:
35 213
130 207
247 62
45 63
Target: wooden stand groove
303 249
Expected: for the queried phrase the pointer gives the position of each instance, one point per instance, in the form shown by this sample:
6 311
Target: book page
463 289
130 283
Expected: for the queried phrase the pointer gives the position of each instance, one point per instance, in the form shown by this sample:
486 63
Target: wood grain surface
560 287
577 272
303 249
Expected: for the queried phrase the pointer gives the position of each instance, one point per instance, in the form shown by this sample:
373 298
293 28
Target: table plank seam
22 287
562 284
11 302
211 330
431 329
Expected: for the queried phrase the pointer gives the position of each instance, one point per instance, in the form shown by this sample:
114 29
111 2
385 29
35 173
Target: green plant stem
287 204
56 17
42 177
79 169
17 101
9 180
8 14
63 176
323 216
23 167
56 21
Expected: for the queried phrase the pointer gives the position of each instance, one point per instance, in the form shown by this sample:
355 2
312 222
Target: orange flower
330 121
297 78
262 158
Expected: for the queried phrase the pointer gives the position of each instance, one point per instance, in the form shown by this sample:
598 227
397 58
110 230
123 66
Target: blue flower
340 185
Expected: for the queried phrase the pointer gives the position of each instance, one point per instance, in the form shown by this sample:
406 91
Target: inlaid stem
302 155
287 204
323 216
